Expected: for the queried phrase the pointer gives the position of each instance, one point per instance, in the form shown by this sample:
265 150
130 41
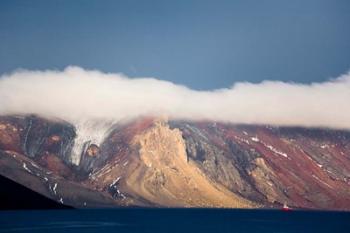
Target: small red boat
286 208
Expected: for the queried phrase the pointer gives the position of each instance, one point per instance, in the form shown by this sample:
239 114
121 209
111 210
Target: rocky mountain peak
168 173
161 144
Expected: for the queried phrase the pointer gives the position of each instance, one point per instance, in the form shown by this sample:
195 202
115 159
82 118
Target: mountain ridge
160 162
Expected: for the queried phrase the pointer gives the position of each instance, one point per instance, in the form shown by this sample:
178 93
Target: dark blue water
173 220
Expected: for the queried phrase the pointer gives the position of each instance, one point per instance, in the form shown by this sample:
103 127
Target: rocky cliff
156 162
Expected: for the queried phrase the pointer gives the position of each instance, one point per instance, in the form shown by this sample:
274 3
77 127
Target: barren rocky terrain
159 162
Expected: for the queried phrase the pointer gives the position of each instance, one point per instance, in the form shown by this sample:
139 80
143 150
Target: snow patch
115 181
88 132
321 181
26 168
273 149
34 165
119 194
276 151
269 183
54 189
242 140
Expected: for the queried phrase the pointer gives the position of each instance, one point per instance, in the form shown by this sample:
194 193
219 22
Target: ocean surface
173 220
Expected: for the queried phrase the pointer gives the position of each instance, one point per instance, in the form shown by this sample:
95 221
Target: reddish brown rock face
55 165
307 168
10 136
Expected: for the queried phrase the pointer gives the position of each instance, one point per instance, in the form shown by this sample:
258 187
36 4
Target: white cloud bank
75 94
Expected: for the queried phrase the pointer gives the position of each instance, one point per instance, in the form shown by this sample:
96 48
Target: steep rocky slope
306 168
159 172
156 162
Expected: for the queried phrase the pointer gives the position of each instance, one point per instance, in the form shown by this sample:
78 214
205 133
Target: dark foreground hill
14 196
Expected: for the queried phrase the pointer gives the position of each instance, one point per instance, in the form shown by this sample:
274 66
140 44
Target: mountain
156 162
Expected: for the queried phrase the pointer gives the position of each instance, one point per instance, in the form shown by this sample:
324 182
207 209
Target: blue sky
200 44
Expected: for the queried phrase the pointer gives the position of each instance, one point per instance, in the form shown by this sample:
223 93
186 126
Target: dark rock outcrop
35 136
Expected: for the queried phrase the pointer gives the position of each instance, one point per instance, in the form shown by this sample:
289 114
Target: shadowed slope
16 196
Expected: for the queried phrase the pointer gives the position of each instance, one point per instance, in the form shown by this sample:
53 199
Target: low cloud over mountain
74 94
